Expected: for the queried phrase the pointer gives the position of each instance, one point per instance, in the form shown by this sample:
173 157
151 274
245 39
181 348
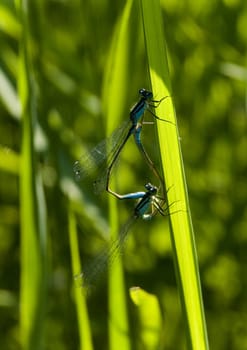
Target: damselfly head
146 94
151 189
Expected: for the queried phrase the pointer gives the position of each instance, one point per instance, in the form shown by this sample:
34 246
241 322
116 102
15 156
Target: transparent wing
94 163
94 271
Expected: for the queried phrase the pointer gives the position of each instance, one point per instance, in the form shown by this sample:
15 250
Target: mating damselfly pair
105 155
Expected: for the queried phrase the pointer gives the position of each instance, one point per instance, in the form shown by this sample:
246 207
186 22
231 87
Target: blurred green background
207 57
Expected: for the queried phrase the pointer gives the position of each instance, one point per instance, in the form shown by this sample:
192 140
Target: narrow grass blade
8 23
149 316
114 98
9 160
180 222
33 209
80 300
8 95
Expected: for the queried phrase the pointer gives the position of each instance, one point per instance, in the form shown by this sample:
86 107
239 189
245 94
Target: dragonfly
149 204
106 153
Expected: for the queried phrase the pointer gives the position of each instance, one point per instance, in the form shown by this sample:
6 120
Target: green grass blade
9 160
172 164
80 300
8 23
8 95
149 316
33 209
115 92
